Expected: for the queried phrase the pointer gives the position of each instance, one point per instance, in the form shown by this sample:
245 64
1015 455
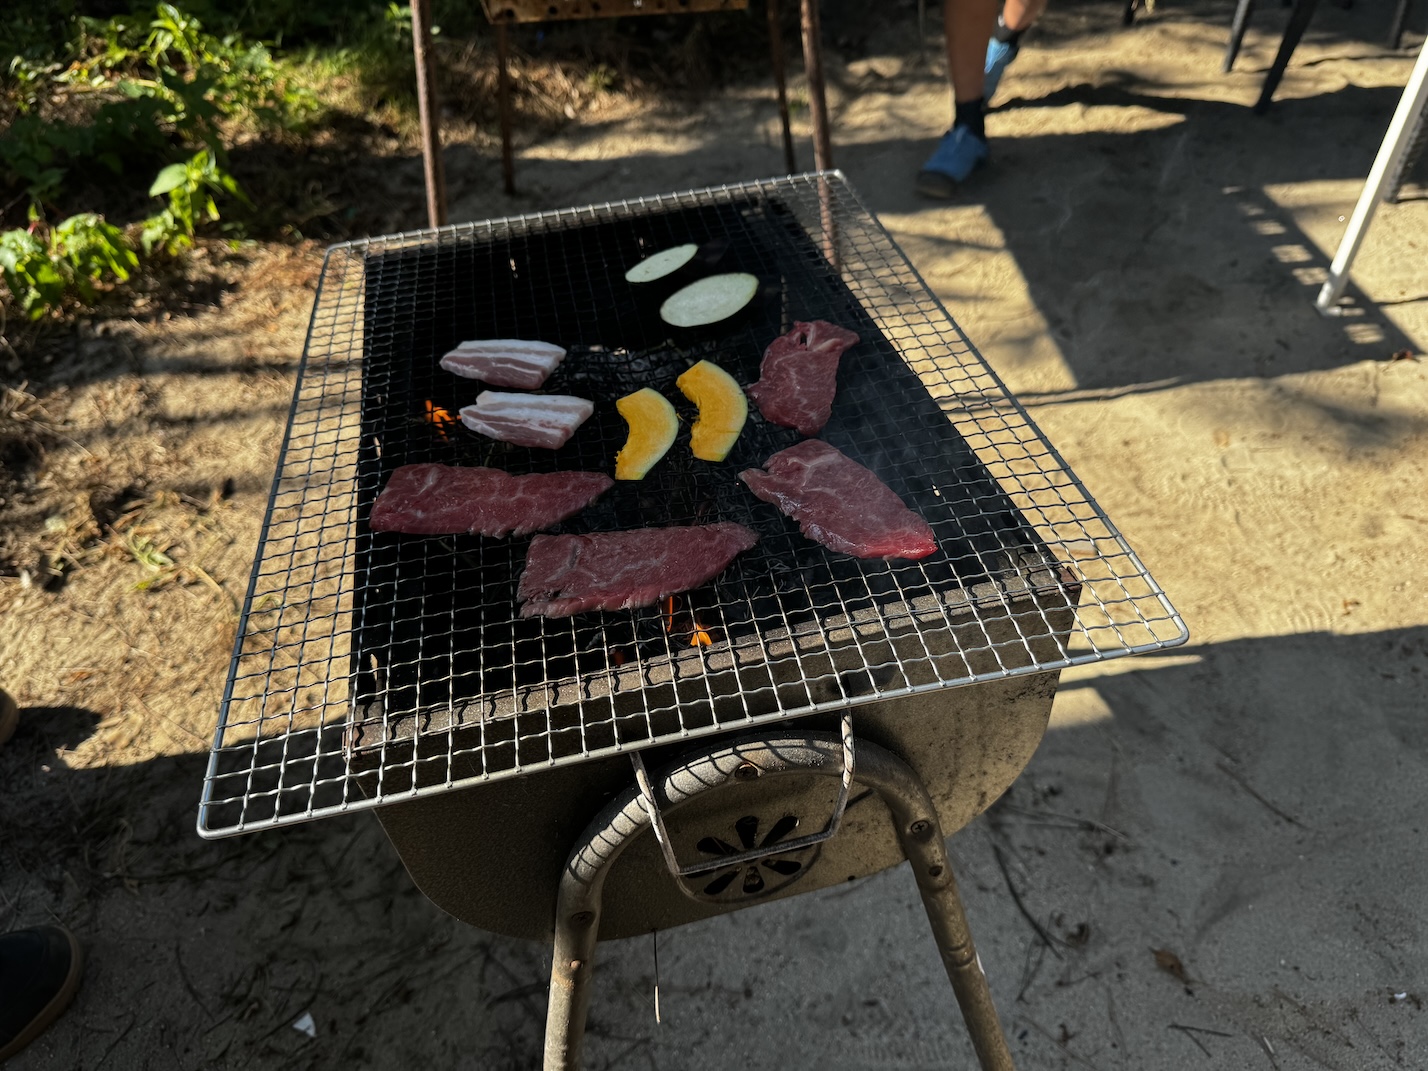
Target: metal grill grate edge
371 668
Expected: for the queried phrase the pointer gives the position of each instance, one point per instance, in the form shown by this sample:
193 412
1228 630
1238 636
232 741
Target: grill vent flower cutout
769 874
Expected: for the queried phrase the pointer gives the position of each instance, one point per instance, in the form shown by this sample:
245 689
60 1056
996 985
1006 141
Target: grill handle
753 855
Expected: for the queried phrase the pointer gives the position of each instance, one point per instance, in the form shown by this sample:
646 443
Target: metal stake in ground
429 111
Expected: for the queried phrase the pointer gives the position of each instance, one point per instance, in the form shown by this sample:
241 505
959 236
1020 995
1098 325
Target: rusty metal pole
781 81
818 109
817 101
429 110
503 98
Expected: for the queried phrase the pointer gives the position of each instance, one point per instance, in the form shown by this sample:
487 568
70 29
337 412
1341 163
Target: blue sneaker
958 154
999 57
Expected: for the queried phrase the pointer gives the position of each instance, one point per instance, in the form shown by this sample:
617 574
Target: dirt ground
1224 845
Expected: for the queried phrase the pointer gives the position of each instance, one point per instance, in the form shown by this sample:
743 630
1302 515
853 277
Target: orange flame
700 636
439 418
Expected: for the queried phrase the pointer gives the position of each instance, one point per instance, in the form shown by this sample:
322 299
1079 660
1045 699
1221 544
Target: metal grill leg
577 921
577 926
572 969
920 833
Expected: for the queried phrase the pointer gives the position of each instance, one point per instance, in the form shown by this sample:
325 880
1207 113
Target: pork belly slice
543 420
505 362
433 499
839 503
569 574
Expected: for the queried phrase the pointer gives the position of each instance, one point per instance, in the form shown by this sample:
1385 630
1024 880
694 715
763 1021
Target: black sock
972 115
1006 36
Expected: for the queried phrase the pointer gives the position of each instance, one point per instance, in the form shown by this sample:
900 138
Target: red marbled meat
839 503
799 375
569 574
444 500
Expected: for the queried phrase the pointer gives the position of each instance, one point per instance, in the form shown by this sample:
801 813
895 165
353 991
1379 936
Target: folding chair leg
1395 28
1298 23
1243 10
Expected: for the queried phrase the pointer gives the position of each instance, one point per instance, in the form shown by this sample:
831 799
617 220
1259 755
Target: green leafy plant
30 272
93 250
190 187
44 266
28 80
157 83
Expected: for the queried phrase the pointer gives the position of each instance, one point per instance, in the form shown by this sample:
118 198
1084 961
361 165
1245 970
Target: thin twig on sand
1235 776
1049 1036
1191 1031
1041 931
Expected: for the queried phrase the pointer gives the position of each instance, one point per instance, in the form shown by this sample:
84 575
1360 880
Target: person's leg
963 148
1016 18
968 25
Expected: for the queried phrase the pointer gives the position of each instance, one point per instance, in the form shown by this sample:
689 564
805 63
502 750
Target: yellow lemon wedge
653 425
722 410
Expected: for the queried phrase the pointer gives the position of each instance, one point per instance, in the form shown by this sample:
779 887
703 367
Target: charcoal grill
801 720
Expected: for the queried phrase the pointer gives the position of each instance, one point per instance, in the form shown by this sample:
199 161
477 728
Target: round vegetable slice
653 425
709 300
722 410
658 265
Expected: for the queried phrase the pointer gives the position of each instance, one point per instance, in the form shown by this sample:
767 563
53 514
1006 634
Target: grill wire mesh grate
372 667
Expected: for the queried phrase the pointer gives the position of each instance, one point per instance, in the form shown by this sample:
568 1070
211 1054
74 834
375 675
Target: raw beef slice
839 503
799 375
444 500
569 574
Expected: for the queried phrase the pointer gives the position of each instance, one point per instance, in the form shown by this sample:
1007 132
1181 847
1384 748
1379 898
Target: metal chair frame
1299 17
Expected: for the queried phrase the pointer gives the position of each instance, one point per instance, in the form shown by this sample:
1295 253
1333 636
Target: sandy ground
1139 263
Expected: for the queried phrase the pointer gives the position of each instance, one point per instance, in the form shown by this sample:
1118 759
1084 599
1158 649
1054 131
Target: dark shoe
9 716
958 154
39 975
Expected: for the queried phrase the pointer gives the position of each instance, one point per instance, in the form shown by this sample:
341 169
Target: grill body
493 855
374 670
